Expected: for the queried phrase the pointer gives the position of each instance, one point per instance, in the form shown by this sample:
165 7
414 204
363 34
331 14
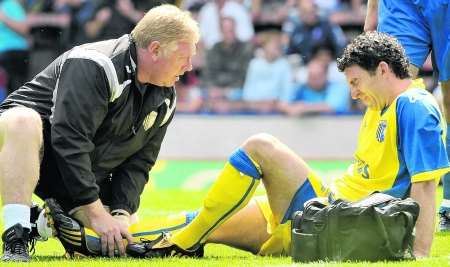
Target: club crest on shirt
381 131
149 120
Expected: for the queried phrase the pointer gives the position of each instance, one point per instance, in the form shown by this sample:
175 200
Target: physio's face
175 63
365 87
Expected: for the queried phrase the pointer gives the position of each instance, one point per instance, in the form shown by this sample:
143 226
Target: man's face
273 49
317 75
228 32
175 63
365 87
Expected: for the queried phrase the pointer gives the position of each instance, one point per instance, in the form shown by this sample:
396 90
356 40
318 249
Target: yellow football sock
232 190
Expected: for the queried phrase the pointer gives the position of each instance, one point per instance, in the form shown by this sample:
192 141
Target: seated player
400 151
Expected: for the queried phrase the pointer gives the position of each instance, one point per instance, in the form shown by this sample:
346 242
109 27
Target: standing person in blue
13 43
420 26
88 129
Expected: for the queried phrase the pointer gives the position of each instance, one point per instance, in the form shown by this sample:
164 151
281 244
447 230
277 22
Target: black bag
379 227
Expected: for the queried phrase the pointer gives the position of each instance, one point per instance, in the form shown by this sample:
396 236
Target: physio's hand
123 219
111 231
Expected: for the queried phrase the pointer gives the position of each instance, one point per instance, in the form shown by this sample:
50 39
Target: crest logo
149 120
381 131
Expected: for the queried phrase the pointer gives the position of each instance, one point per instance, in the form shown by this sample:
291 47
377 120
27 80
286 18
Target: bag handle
374 199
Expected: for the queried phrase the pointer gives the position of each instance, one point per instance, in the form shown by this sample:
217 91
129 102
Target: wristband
120 212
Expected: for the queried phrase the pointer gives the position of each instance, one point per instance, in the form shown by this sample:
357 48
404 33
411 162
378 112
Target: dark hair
370 48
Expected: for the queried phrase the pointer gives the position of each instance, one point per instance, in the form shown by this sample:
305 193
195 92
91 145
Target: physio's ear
154 48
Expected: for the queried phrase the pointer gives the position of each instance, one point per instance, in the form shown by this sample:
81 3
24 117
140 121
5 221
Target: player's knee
261 145
21 121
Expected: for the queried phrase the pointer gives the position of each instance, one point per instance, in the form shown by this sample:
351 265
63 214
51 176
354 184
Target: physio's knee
22 123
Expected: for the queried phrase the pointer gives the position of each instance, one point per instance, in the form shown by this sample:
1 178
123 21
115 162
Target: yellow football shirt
400 145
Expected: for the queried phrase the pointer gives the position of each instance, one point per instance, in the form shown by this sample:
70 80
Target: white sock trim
16 213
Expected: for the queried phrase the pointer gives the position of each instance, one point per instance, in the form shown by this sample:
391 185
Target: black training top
104 123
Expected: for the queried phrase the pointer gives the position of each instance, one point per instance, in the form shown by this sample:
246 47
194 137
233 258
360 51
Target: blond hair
166 24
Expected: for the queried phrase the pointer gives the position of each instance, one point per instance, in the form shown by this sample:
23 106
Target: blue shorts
303 194
419 25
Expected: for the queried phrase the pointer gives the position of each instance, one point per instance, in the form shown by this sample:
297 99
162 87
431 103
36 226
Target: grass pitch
181 185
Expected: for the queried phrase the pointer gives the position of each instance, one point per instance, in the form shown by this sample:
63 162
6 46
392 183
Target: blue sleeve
13 10
420 134
338 97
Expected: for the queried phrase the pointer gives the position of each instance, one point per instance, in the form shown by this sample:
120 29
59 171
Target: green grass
164 197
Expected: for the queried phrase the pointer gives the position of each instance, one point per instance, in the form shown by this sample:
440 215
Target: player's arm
371 21
421 143
425 194
81 103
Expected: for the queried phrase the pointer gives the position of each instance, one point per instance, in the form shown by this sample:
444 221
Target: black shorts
50 183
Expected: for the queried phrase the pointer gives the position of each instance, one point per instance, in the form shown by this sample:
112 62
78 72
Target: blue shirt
9 39
336 95
267 81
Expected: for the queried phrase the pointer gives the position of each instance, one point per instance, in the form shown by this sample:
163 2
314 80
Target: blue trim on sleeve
240 160
420 133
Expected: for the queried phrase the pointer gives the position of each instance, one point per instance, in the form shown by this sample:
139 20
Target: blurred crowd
255 56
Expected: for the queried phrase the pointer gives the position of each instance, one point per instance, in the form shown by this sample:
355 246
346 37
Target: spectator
13 44
270 13
313 32
350 12
80 12
209 21
112 19
268 76
318 95
189 95
48 21
324 54
225 68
